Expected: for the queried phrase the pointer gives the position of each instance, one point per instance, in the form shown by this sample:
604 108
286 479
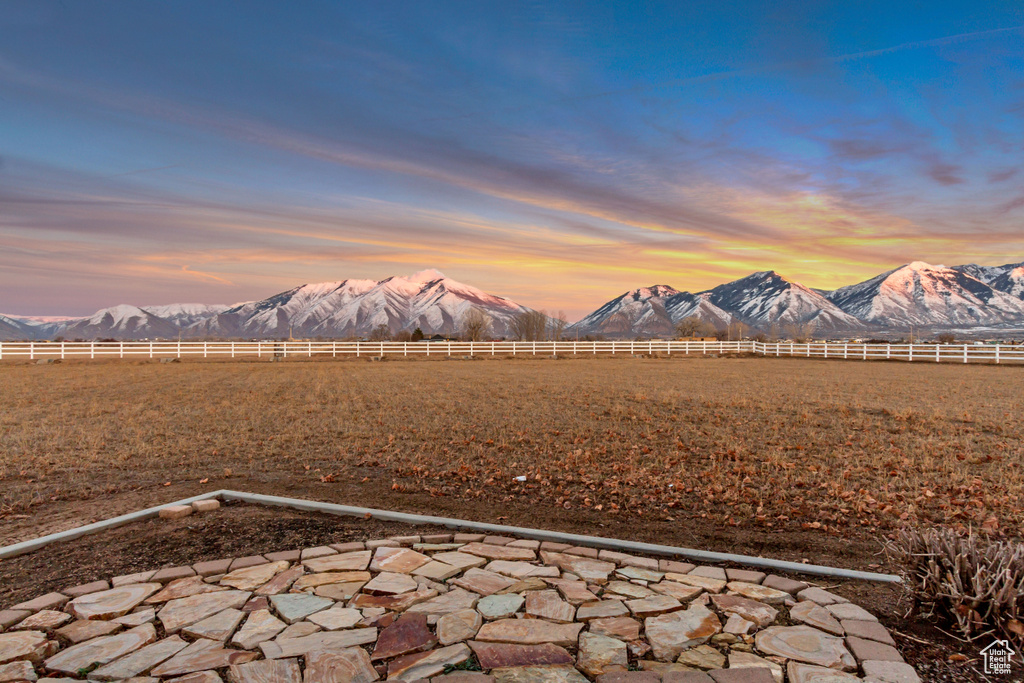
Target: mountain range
968 297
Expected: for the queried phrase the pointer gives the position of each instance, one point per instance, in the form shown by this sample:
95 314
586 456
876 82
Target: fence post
62 350
910 355
121 352
470 348
492 348
965 353
535 348
888 351
31 350
864 348
997 354
405 348
826 350
449 347
357 350
334 349
259 349
92 350
309 349
179 348
205 349
938 350
1 350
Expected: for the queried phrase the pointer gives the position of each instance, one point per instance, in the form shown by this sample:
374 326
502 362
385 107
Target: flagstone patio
465 608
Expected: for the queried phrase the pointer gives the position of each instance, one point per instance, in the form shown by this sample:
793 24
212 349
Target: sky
556 153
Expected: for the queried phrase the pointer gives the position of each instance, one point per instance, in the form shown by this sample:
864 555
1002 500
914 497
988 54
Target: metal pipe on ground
413 519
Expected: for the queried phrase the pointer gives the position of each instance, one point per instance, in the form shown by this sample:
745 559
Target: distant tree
417 335
380 333
694 327
402 336
476 325
799 332
557 326
529 325
945 338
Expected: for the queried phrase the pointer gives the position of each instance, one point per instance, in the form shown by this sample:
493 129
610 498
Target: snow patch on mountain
766 298
653 310
926 295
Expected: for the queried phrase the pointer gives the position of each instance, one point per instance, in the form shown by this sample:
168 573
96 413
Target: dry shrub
978 583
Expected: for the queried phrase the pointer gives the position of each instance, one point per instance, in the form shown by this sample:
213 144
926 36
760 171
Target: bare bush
476 325
529 325
694 327
977 583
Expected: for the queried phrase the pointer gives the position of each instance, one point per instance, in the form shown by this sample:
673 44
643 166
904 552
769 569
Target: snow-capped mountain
15 330
766 298
1010 281
351 308
183 315
929 296
651 310
936 297
119 322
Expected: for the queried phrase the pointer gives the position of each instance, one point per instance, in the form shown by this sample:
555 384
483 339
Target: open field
726 443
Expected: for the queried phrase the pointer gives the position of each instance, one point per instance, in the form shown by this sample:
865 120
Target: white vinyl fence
935 353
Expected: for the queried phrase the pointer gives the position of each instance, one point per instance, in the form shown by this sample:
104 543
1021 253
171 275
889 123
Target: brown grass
778 443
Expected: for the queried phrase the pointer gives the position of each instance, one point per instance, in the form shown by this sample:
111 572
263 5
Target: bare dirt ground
786 458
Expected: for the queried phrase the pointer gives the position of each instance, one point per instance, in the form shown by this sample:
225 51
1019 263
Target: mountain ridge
916 294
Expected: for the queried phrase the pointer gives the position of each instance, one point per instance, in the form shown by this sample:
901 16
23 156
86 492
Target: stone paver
600 654
259 626
458 626
601 610
672 633
408 634
746 660
323 640
871 630
538 674
295 606
27 645
219 627
426 664
177 614
44 620
482 581
799 672
410 608
397 560
498 655
751 610
140 661
251 578
815 615
889 672
530 632
17 671
805 644
390 583
266 671
199 656
623 628
100 650
336 617
548 605
702 657
87 629
349 665
115 602
499 606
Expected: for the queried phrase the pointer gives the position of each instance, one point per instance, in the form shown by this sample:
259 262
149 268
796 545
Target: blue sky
555 153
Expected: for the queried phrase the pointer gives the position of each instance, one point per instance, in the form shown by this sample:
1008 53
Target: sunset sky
555 153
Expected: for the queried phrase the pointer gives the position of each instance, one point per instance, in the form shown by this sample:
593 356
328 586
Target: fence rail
935 353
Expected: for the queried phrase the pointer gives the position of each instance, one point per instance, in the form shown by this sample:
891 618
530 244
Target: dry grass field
760 444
